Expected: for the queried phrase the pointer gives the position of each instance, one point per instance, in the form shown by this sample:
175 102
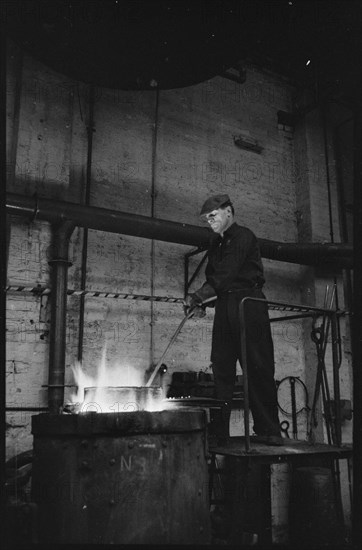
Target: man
234 271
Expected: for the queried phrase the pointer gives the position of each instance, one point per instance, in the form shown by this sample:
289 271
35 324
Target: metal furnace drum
121 478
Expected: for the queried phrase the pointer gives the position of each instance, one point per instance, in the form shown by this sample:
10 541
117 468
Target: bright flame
115 389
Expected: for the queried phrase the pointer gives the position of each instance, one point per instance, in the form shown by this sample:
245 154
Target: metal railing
302 312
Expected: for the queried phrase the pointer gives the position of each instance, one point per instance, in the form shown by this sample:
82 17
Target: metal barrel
313 512
121 478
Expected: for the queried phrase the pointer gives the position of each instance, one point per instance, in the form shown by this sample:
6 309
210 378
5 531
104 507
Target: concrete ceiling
144 44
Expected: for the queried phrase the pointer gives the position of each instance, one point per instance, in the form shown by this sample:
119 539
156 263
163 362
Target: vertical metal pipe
7 230
57 342
186 275
356 322
337 400
90 130
244 364
3 274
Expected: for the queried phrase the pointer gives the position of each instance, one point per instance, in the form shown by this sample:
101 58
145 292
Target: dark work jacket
234 263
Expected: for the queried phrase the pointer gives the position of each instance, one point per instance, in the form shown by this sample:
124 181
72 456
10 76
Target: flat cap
213 203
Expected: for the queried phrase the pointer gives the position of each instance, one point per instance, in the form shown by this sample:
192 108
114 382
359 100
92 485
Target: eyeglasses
211 216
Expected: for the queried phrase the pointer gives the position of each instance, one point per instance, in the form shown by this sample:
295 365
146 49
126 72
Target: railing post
244 366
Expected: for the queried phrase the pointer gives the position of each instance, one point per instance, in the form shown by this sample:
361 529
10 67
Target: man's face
219 220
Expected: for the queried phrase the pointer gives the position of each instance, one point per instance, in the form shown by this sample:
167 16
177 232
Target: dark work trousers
226 350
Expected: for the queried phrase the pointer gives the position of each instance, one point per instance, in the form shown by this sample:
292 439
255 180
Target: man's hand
198 312
193 303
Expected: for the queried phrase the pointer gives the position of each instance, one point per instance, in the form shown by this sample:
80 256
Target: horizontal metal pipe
24 409
107 220
340 255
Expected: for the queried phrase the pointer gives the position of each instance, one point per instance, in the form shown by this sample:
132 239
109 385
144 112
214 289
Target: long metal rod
327 415
340 255
160 361
285 306
318 386
329 422
188 315
337 400
291 317
332 422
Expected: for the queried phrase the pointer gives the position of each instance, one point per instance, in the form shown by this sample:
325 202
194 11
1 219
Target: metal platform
291 450
246 475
